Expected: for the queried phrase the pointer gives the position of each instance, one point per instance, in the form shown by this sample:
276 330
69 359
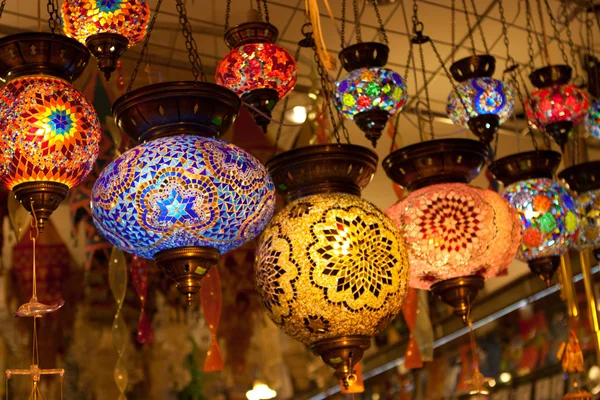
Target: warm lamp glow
50 132
257 66
182 191
480 96
548 215
84 18
260 391
366 89
455 230
330 266
557 103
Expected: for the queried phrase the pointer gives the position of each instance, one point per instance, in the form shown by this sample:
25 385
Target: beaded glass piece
454 230
182 191
548 216
588 204
592 120
84 18
555 104
257 66
331 265
480 96
365 89
50 132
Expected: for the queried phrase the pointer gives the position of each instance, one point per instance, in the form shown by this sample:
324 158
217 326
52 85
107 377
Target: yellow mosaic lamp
331 269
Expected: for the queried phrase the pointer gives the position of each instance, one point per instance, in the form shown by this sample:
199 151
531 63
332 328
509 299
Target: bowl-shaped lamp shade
555 104
456 230
84 18
548 214
182 191
330 266
480 96
367 89
257 66
50 132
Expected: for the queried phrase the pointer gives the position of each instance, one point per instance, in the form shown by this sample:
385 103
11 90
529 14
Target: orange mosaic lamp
50 132
106 27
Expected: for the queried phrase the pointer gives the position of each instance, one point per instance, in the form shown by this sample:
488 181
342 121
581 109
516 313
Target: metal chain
325 85
417 25
2 4
453 30
52 15
190 43
343 24
410 55
528 17
469 27
517 87
357 22
227 13
563 11
510 61
426 88
561 45
545 138
266 11
480 27
259 9
144 51
380 21
544 35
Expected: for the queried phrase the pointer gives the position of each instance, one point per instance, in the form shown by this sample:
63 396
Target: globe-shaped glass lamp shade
589 209
84 18
257 66
366 89
182 191
50 132
592 120
455 230
331 265
480 96
557 103
548 214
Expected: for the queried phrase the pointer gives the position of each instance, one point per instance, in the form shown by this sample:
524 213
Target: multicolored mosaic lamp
479 102
183 196
331 269
106 27
547 210
370 94
584 179
457 235
257 69
50 132
557 106
592 120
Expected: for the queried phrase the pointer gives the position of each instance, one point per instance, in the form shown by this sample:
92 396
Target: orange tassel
210 298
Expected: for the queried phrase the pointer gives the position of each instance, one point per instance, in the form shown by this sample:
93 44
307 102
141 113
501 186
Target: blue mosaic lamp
183 196
479 101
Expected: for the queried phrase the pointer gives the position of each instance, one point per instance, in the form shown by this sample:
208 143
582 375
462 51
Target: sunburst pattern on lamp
331 269
106 27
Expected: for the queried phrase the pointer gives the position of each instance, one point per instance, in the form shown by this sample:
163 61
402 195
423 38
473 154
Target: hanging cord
357 22
469 27
227 12
312 13
53 16
144 51
561 45
380 22
190 43
480 27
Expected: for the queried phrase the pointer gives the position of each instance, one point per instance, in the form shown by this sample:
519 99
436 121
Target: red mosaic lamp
256 69
50 132
106 27
556 106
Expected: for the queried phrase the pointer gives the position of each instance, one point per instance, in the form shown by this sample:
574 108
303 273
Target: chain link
480 27
259 9
325 85
343 24
510 61
144 51
417 25
563 11
453 30
190 43
517 87
266 11
52 15
426 88
357 22
528 17
380 20
539 126
227 13
2 4
469 27
561 45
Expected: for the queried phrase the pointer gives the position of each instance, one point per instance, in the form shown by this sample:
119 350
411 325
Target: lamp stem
566 275
590 298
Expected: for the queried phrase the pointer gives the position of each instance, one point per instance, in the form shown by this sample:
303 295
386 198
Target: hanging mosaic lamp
479 102
370 94
556 106
106 27
183 196
257 69
50 132
547 210
331 270
584 179
592 120
457 235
